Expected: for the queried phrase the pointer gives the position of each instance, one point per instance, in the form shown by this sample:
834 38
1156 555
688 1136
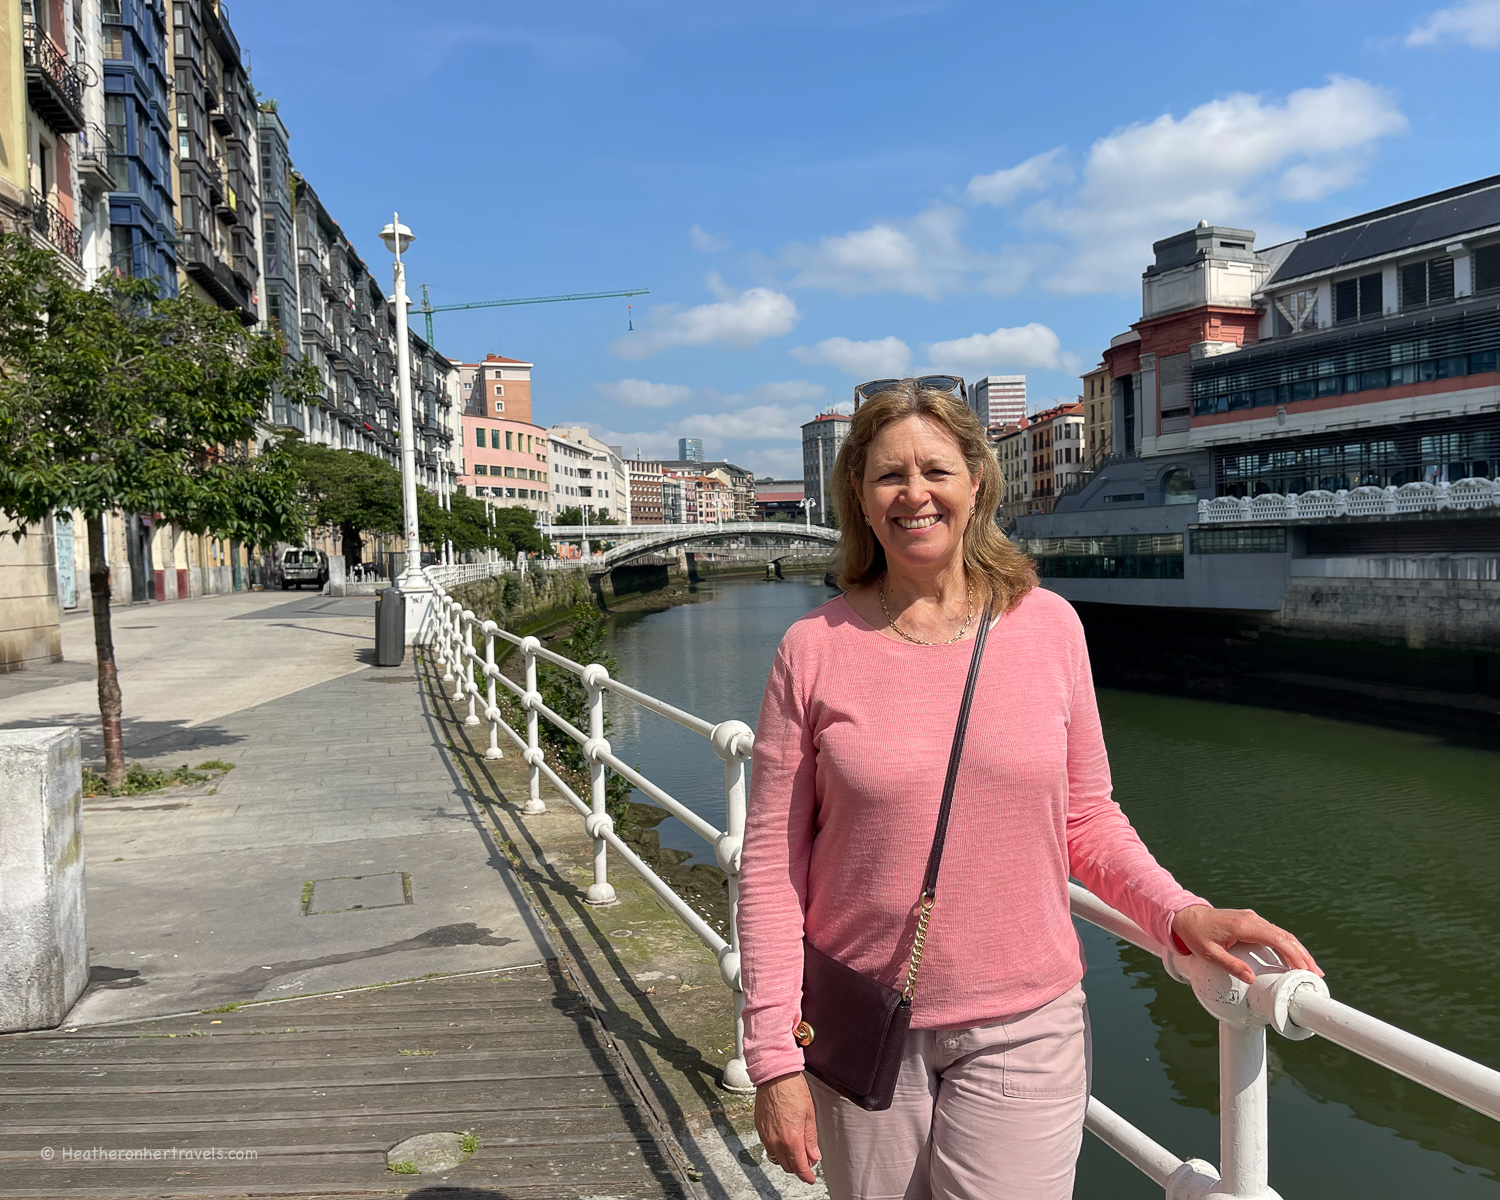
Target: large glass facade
1115 556
1449 345
1442 452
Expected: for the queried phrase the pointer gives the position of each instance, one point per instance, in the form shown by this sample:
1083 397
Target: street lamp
413 584
808 504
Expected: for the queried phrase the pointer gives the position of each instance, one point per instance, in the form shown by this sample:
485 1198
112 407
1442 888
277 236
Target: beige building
1098 420
1012 449
588 474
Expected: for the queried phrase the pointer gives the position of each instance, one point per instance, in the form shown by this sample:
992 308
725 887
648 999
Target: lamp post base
420 613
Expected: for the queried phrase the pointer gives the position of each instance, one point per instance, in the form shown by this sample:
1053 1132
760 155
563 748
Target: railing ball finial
594 676
732 740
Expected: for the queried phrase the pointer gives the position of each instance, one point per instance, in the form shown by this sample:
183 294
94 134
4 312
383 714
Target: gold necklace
969 620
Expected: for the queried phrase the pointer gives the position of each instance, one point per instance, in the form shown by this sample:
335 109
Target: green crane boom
428 307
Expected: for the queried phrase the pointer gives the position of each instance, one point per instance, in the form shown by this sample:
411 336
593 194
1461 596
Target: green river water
1380 849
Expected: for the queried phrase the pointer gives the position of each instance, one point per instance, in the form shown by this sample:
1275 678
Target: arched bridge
634 541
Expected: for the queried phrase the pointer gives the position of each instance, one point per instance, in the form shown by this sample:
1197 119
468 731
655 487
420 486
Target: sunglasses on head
936 383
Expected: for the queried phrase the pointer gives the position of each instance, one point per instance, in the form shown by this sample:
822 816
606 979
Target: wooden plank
517 1060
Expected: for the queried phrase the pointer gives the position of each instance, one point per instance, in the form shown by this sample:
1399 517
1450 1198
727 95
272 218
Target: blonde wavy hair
990 558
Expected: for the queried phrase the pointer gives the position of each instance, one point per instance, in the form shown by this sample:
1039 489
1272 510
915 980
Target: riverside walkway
313 958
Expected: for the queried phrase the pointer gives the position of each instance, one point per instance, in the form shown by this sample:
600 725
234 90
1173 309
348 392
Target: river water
1380 849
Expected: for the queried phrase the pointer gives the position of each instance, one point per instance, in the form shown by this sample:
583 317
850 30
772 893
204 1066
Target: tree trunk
351 543
104 646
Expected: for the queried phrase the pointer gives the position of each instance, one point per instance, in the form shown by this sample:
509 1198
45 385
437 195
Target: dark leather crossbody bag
853 1028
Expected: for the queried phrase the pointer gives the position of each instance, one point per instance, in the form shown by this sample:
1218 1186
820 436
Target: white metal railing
1474 492
1296 1004
464 665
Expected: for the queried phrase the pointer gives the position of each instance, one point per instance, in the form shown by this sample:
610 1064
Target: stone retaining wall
1457 614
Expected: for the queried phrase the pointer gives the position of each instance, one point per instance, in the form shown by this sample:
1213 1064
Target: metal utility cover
355 893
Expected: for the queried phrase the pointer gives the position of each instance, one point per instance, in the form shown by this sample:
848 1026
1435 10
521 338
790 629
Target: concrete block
41 878
337 576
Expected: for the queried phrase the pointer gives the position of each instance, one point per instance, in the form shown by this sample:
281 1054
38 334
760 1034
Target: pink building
505 453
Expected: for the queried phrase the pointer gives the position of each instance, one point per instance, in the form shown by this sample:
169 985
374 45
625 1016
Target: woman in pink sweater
850 755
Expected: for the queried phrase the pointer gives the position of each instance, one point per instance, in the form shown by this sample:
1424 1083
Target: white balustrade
1295 1004
1367 501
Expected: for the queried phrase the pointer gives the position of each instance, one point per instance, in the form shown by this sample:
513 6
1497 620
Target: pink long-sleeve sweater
850 753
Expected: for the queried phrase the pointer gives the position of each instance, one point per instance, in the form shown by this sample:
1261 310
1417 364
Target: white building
999 399
588 474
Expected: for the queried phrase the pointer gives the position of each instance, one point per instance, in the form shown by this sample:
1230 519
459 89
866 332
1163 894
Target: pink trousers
989 1113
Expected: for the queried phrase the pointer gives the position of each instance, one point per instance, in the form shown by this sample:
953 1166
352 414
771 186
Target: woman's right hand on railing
787 1126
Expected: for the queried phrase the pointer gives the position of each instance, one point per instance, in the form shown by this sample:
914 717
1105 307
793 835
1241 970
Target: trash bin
390 627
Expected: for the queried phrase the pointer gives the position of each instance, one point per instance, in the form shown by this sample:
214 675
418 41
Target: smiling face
917 493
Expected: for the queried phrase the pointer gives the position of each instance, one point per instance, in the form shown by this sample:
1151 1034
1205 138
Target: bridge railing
1296 1004
1466 494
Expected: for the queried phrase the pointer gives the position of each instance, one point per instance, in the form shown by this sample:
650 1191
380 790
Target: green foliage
566 696
574 516
348 491
119 399
139 780
510 591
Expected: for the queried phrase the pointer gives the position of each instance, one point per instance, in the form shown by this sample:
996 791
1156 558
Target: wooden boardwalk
321 1088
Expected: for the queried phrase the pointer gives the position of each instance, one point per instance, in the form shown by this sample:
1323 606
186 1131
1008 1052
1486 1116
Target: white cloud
642 393
1477 23
1003 186
709 243
885 357
1227 161
1032 346
924 256
739 319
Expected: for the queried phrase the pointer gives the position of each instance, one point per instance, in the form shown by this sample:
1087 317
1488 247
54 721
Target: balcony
93 159
56 229
216 277
54 88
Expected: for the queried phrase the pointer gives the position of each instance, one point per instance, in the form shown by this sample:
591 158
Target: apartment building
217 160
140 140
821 439
1054 441
600 484
647 481
505 453
1098 414
998 400
1013 452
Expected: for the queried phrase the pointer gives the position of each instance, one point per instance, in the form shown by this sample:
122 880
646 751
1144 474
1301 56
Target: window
508 446
499 389
1179 487
1486 262
1237 541
1297 312
479 438
494 439
1429 282
468 387
481 469
1354 299
510 472
499 406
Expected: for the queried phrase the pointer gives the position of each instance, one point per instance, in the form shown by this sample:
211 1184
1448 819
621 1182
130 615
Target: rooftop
1440 217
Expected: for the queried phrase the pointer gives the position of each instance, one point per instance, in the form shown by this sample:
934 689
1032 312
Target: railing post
446 634
534 804
600 891
1244 1133
732 741
491 711
466 679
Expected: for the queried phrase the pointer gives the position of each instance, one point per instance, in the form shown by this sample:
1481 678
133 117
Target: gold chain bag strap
853 1028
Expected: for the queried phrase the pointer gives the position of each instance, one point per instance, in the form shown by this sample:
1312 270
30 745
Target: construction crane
428 307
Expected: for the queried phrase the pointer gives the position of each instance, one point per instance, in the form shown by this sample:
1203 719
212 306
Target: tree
574 516
349 491
116 399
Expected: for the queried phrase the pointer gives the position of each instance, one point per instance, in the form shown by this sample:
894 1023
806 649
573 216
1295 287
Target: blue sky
822 191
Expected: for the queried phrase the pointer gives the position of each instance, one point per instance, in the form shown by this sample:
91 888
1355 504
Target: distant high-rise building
821 439
999 399
690 449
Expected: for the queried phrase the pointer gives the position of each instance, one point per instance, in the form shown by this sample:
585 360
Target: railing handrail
1296 1004
1366 500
